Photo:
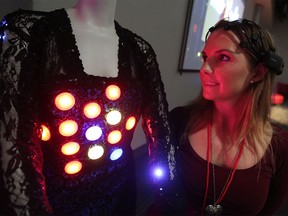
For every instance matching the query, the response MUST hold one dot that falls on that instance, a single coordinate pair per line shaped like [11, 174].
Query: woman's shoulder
[180, 115]
[180, 111]
[280, 135]
[279, 143]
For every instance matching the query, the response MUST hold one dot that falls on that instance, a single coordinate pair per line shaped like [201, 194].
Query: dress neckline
[203, 161]
[75, 50]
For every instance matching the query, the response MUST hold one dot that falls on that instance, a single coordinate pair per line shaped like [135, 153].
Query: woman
[232, 160]
[79, 77]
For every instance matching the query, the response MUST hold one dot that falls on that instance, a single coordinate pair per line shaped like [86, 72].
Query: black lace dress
[85, 166]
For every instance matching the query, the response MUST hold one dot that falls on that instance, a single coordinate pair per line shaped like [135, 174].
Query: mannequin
[93, 20]
[83, 53]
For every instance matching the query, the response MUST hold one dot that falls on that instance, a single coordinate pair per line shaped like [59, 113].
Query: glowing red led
[277, 98]
[73, 167]
[130, 123]
[92, 110]
[45, 135]
[113, 92]
[70, 148]
[64, 101]
[68, 128]
[114, 137]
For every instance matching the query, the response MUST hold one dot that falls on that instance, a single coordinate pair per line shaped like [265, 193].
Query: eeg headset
[253, 43]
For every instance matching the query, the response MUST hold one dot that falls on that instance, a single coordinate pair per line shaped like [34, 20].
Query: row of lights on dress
[64, 102]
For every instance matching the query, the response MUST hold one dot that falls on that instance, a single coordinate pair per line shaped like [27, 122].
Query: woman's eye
[223, 57]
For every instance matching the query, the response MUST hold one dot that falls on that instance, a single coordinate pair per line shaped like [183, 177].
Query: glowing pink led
[64, 101]
[45, 135]
[70, 148]
[68, 128]
[114, 137]
[92, 110]
[73, 167]
[112, 92]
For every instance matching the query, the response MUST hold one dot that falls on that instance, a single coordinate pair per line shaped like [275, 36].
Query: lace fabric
[39, 58]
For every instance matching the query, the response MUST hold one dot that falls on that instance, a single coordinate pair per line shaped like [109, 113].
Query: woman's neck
[95, 13]
[225, 117]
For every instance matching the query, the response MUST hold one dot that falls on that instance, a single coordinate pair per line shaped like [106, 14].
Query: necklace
[216, 209]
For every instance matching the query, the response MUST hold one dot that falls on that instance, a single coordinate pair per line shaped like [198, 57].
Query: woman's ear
[260, 72]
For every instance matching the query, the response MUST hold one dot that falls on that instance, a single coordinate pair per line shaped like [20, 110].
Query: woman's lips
[210, 83]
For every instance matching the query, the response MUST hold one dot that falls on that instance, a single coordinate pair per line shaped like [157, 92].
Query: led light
[73, 167]
[92, 110]
[130, 123]
[113, 92]
[64, 101]
[45, 135]
[158, 172]
[70, 148]
[114, 137]
[113, 117]
[68, 128]
[95, 152]
[3, 37]
[277, 98]
[116, 154]
[93, 133]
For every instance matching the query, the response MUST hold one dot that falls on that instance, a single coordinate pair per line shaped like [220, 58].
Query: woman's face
[226, 72]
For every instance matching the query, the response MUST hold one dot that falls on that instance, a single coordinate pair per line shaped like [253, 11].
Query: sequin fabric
[39, 60]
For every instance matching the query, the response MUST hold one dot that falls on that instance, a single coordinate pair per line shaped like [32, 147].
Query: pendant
[213, 210]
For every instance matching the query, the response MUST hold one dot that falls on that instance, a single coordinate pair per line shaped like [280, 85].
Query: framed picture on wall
[201, 15]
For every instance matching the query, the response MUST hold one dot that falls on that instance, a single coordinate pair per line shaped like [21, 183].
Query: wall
[161, 23]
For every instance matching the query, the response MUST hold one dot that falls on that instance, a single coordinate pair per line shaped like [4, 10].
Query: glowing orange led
[113, 92]
[130, 123]
[70, 148]
[46, 135]
[73, 167]
[68, 128]
[113, 117]
[92, 110]
[64, 101]
[114, 137]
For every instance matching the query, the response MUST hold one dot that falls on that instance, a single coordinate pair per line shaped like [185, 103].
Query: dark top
[252, 191]
[40, 60]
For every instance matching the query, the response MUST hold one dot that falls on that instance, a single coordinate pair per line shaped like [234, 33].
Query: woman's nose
[206, 68]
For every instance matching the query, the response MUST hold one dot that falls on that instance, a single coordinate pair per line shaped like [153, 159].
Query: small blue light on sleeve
[158, 172]
[4, 23]
[2, 36]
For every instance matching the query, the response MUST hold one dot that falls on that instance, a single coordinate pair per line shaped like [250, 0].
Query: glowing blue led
[116, 154]
[2, 36]
[158, 172]
[93, 133]
[4, 23]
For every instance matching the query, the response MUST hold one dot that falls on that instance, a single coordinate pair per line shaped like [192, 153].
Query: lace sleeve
[156, 124]
[21, 178]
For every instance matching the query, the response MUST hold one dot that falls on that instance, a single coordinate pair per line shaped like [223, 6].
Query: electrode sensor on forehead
[250, 36]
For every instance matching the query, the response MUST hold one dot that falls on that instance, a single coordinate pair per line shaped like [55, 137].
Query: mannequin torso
[92, 23]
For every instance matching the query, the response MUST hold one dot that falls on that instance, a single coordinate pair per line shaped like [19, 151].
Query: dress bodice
[41, 62]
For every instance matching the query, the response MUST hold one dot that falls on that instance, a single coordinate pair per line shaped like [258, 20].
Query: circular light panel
[64, 101]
